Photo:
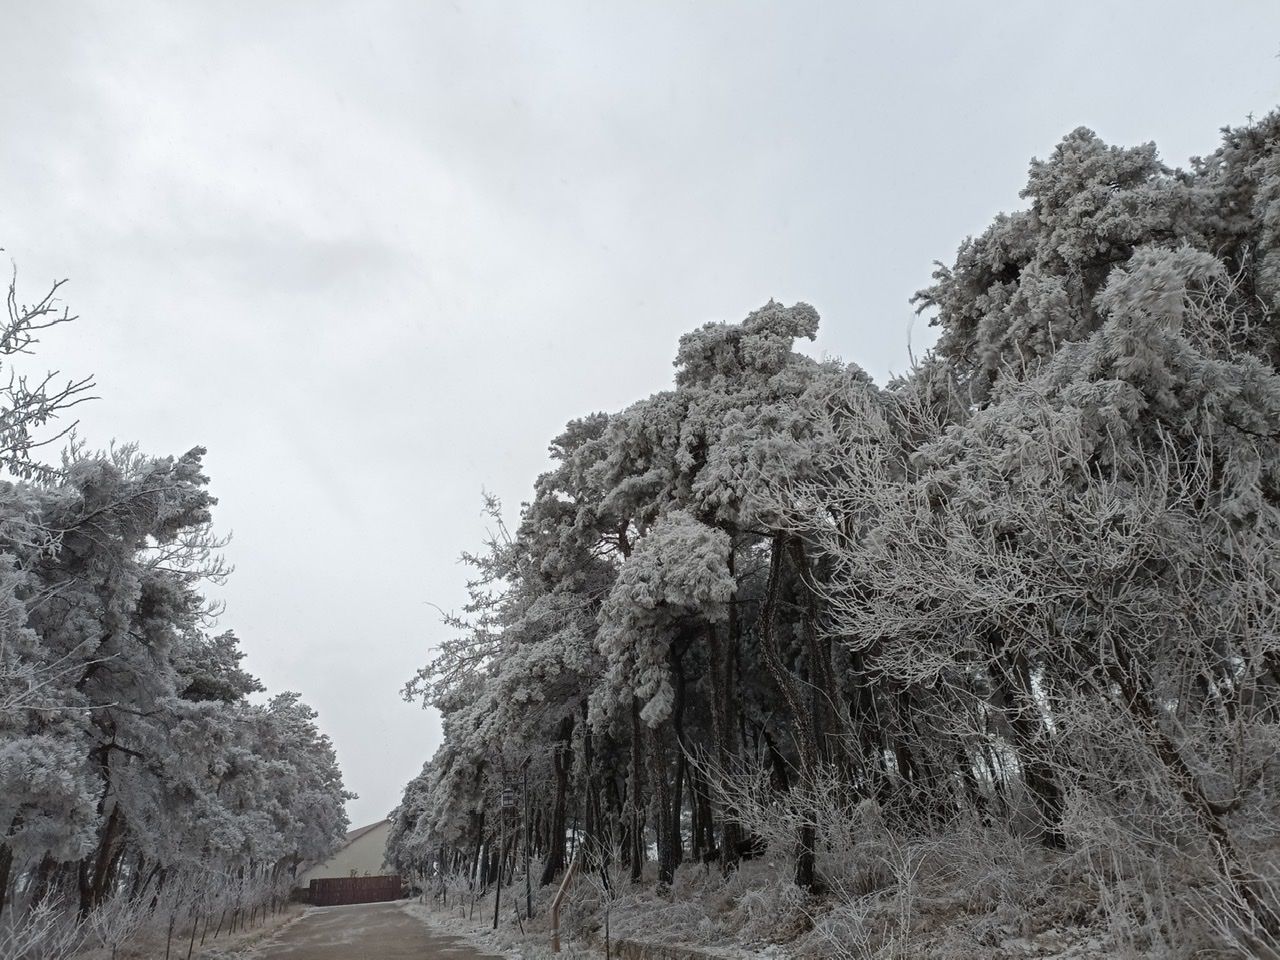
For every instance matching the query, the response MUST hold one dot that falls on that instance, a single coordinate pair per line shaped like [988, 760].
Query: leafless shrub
[118, 919]
[46, 930]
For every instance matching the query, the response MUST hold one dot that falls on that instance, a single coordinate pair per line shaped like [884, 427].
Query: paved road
[369, 931]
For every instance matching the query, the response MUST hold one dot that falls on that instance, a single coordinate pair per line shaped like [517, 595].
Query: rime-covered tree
[1029, 592]
[133, 755]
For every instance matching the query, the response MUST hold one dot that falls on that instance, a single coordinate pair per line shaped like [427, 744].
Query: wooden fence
[332, 891]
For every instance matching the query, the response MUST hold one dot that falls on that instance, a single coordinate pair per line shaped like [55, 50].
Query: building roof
[354, 835]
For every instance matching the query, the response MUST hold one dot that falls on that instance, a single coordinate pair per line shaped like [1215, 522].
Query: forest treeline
[1025, 595]
[141, 779]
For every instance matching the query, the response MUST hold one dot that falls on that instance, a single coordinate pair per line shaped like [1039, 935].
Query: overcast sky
[374, 255]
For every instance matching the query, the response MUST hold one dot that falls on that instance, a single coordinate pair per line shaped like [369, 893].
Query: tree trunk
[635, 794]
[724, 723]
[6, 869]
[832, 736]
[475, 861]
[563, 761]
[677, 792]
[806, 727]
[677, 813]
[662, 806]
[1030, 740]
[1134, 685]
[93, 872]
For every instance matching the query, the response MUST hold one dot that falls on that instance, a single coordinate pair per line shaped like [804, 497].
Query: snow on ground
[244, 944]
[748, 917]
[477, 931]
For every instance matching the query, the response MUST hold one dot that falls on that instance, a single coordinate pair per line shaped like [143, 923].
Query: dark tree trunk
[867, 719]
[705, 816]
[806, 857]
[682, 749]
[677, 813]
[696, 848]
[6, 868]
[143, 877]
[493, 864]
[474, 871]
[1030, 740]
[724, 724]
[45, 882]
[562, 761]
[92, 871]
[831, 735]
[779, 779]
[111, 880]
[806, 711]
[1135, 686]
[635, 793]
[590, 799]
[662, 803]
[928, 792]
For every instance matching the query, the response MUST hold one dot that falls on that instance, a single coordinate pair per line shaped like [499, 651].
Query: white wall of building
[362, 857]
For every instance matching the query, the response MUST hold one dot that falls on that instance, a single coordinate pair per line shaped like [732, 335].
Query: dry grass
[149, 944]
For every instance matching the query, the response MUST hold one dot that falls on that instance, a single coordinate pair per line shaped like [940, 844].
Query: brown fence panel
[332, 891]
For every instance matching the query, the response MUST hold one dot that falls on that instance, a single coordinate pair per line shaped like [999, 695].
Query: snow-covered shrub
[776, 913]
[46, 930]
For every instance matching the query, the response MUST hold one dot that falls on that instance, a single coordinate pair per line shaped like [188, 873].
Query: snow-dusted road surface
[370, 931]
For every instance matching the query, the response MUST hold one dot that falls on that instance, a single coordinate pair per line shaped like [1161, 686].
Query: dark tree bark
[1031, 741]
[635, 793]
[682, 749]
[592, 816]
[662, 806]
[474, 866]
[806, 729]
[6, 868]
[832, 736]
[562, 761]
[725, 723]
[1135, 687]
[94, 872]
